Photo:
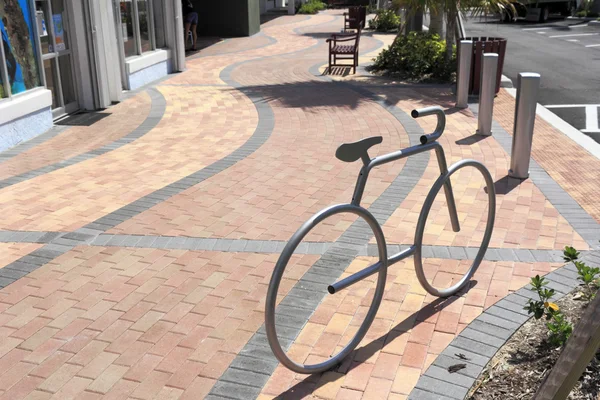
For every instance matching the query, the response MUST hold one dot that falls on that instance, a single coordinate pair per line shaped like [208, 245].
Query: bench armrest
[349, 39]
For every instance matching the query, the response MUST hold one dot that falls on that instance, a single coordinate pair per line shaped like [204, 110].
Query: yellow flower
[551, 305]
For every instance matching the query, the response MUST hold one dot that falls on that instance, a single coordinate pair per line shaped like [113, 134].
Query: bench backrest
[358, 16]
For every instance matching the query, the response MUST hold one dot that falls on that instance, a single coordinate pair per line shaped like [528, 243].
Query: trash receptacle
[483, 45]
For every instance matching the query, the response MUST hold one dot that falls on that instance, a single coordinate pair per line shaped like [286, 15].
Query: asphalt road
[567, 55]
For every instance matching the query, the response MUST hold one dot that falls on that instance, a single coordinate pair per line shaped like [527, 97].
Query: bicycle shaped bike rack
[350, 152]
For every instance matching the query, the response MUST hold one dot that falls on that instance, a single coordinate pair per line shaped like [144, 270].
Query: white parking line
[573, 40]
[591, 120]
[576, 34]
[535, 29]
[591, 115]
[542, 33]
[592, 45]
[571, 105]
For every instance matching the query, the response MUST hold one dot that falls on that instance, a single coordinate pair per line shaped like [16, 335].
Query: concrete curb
[506, 82]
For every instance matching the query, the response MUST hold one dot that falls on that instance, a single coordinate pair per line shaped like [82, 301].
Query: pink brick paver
[116, 321]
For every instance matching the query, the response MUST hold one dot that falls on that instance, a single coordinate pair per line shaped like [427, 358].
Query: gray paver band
[583, 223]
[157, 110]
[335, 259]
[485, 335]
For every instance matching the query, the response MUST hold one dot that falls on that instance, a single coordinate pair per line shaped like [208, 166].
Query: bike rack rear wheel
[423, 220]
[288, 251]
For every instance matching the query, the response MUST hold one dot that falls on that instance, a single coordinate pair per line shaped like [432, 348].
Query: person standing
[190, 18]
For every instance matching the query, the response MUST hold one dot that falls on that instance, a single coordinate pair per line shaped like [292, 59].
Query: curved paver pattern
[265, 196]
[524, 217]
[200, 126]
[142, 272]
[576, 170]
[121, 120]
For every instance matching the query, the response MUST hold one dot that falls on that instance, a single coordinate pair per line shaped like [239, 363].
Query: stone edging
[485, 335]
[157, 110]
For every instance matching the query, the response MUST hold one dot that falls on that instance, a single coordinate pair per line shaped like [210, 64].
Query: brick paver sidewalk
[136, 253]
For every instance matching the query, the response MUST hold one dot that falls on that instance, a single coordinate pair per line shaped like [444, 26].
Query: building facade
[61, 56]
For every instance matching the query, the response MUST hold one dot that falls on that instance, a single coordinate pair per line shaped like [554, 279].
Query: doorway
[52, 19]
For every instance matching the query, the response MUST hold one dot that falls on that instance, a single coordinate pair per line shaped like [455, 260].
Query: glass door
[53, 27]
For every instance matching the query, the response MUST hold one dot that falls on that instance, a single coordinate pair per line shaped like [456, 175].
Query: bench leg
[329, 63]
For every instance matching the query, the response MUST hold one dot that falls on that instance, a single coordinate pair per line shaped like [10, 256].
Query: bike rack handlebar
[441, 122]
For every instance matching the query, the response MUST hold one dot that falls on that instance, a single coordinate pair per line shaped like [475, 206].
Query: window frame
[136, 28]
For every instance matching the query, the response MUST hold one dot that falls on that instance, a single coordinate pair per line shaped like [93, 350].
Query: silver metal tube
[528, 85]
[439, 152]
[387, 158]
[352, 279]
[487, 93]
[422, 221]
[441, 122]
[401, 255]
[464, 74]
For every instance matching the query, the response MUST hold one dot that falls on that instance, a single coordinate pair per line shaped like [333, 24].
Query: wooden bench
[355, 18]
[348, 50]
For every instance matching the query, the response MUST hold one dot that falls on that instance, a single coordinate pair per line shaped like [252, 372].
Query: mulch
[521, 364]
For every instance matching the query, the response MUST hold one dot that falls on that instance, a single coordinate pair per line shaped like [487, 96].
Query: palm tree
[452, 8]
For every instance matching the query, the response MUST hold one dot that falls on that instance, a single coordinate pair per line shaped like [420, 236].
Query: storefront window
[42, 17]
[144, 19]
[18, 40]
[137, 28]
[127, 28]
[50, 72]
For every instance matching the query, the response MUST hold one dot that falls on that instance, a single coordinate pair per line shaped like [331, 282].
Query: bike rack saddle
[350, 152]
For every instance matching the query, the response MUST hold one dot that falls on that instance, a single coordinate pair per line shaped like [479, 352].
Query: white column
[528, 85]
[464, 74]
[487, 91]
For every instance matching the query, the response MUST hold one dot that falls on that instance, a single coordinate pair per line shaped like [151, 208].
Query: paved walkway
[136, 252]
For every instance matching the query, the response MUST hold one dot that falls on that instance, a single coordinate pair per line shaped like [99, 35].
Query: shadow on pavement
[506, 185]
[312, 383]
[469, 140]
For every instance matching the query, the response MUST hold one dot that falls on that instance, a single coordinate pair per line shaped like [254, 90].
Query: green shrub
[312, 7]
[559, 328]
[589, 276]
[385, 21]
[581, 14]
[418, 56]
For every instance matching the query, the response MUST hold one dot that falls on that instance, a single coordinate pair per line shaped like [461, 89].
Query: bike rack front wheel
[284, 258]
[423, 220]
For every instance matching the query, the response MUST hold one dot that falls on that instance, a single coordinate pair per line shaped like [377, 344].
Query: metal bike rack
[351, 152]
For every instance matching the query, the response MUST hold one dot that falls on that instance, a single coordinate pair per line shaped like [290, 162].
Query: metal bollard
[291, 6]
[464, 74]
[486, 93]
[528, 85]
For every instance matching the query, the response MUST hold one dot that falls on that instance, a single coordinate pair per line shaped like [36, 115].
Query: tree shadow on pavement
[312, 383]
[316, 93]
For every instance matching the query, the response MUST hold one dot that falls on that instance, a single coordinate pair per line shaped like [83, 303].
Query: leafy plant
[418, 56]
[589, 276]
[543, 306]
[385, 21]
[312, 7]
[559, 329]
